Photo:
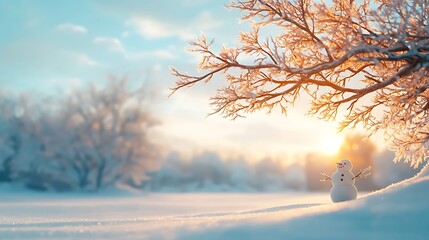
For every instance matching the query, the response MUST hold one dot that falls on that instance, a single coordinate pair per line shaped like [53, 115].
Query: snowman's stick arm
[326, 177]
[363, 173]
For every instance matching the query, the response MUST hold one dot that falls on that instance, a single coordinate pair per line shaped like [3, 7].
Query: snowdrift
[400, 211]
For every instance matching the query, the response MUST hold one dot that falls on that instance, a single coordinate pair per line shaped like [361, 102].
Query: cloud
[69, 27]
[83, 59]
[152, 28]
[113, 44]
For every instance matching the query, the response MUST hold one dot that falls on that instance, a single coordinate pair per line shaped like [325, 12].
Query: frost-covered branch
[364, 56]
[325, 178]
[363, 173]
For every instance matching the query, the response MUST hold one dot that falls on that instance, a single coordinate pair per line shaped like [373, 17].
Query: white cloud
[116, 45]
[153, 28]
[83, 59]
[69, 27]
[113, 44]
[205, 21]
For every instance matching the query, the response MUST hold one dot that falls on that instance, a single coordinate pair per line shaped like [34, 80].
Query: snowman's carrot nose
[339, 164]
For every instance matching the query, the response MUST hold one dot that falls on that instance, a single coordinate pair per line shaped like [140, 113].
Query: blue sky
[49, 46]
[46, 43]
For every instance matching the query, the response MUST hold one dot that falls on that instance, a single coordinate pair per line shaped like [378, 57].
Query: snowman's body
[343, 183]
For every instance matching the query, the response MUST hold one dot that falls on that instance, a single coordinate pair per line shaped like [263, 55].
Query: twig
[326, 177]
[363, 173]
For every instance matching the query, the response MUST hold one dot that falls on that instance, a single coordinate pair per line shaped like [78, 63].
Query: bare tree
[95, 136]
[107, 130]
[368, 59]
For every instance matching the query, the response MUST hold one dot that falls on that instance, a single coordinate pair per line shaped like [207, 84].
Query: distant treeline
[208, 172]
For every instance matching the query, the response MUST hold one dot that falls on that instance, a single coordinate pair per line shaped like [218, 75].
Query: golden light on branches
[338, 54]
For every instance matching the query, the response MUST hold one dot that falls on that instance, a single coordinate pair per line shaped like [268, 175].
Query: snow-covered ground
[399, 212]
[131, 216]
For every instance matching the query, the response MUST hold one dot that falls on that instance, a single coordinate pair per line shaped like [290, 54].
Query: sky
[50, 46]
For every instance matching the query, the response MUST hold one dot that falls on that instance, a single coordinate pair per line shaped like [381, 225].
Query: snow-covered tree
[366, 60]
[10, 137]
[91, 138]
[100, 134]
[21, 152]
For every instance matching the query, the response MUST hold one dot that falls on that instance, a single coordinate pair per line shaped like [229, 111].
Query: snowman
[343, 181]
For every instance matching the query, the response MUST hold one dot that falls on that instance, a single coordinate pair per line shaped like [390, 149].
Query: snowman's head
[344, 165]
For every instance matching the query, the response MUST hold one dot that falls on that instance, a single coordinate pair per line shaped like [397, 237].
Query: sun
[332, 144]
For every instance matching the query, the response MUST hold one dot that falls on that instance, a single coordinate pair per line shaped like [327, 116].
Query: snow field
[399, 212]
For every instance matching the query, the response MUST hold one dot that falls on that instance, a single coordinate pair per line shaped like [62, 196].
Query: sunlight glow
[332, 144]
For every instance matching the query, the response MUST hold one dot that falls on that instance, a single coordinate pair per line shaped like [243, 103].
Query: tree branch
[326, 177]
[363, 173]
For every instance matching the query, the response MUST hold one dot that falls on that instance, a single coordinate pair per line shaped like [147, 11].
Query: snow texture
[398, 212]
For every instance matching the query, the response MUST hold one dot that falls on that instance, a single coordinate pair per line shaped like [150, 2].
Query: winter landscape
[386, 214]
[242, 119]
